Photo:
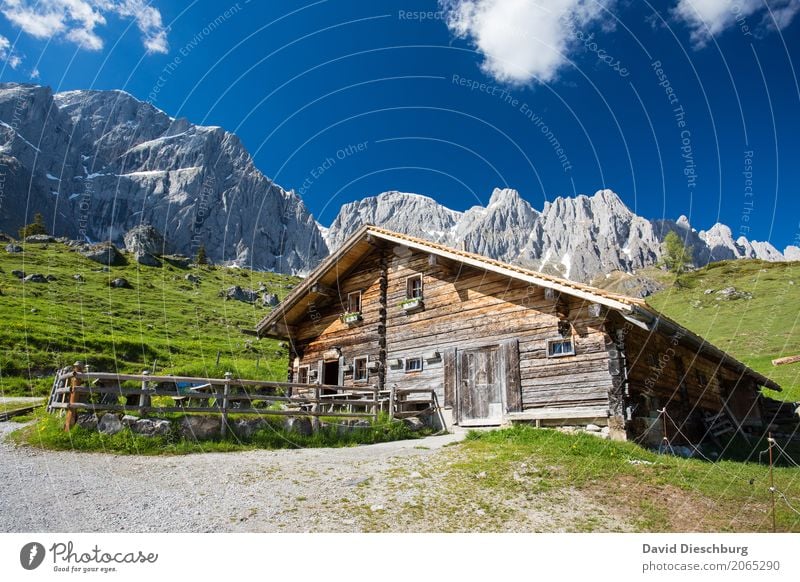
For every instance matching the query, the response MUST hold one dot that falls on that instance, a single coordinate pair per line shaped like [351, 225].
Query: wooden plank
[450, 377]
[786, 360]
[511, 375]
[554, 413]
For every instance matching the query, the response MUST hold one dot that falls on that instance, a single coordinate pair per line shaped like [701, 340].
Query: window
[302, 375]
[560, 347]
[354, 302]
[360, 372]
[413, 365]
[414, 287]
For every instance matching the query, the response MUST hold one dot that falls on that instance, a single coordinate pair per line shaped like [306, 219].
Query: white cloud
[77, 21]
[35, 74]
[8, 54]
[523, 40]
[707, 18]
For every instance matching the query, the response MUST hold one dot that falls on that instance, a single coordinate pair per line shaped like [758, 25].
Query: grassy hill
[163, 318]
[755, 330]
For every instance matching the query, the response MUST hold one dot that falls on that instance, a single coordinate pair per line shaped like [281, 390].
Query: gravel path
[367, 488]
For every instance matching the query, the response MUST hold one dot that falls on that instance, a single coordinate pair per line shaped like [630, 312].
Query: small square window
[302, 375]
[414, 287]
[560, 347]
[354, 302]
[360, 371]
[413, 364]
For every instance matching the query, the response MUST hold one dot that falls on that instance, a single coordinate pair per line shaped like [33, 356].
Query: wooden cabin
[498, 343]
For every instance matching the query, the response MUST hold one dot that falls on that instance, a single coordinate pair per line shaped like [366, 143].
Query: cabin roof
[339, 263]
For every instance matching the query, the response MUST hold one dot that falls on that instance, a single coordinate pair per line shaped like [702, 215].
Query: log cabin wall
[467, 308]
[321, 331]
[664, 371]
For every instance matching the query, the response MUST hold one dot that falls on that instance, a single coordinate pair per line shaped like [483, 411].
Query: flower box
[351, 318]
[412, 304]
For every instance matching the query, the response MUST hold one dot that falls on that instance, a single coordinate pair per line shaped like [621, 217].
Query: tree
[677, 256]
[201, 258]
[36, 227]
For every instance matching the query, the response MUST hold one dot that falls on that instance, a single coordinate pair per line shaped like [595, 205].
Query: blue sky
[680, 106]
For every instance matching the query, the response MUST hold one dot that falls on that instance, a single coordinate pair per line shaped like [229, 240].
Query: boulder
[150, 427]
[270, 299]
[200, 427]
[732, 294]
[35, 278]
[147, 260]
[129, 420]
[144, 240]
[120, 283]
[18, 274]
[109, 424]
[180, 261]
[12, 248]
[414, 423]
[87, 421]
[299, 425]
[193, 279]
[39, 239]
[104, 253]
[238, 294]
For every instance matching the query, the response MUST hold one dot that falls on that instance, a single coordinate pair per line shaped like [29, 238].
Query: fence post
[144, 399]
[391, 400]
[316, 408]
[223, 429]
[77, 368]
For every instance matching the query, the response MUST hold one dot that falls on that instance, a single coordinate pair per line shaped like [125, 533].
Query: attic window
[360, 372]
[414, 287]
[354, 302]
[413, 365]
[557, 348]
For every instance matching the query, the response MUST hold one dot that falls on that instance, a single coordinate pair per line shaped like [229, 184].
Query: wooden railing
[72, 391]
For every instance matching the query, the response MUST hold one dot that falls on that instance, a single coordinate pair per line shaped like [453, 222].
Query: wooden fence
[75, 390]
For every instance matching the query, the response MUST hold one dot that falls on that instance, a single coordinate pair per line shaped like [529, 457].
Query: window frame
[411, 278]
[300, 370]
[365, 359]
[349, 303]
[408, 370]
[560, 340]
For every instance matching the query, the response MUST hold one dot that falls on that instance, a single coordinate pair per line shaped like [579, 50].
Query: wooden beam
[786, 360]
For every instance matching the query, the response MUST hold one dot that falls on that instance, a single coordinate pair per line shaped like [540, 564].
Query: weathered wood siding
[664, 371]
[467, 308]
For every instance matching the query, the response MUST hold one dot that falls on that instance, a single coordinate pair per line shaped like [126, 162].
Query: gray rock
[147, 260]
[708, 292]
[732, 294]
[104, 253]
[244, 428]
[87, 421]
[270, 299]
[18, 274]
[592, 428]
[300, 425]
[120, 283]
[144, 239]
[78, 277]
[150, 427]
[13, 248]
[109, 424]
[414, 423]
[51, 278]
[179, 261]
[194, 279]
[35, 278]
[39, 239]
[200, 427]
[129, 420]
[238, 294]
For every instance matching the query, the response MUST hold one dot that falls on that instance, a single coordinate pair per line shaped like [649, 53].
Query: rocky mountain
[98, 163]
[578, 238]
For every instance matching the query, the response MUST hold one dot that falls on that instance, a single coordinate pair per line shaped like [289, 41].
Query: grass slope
[753, 330]
[163, 317]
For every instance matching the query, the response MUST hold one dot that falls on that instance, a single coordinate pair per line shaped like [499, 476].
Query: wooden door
[481, 387]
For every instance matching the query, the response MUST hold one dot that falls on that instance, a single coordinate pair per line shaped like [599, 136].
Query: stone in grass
[18, 274]
[198, 428]
[120, 283]
[35, 278]
[414, 423]
[12, 248]
[104, 253]
[245, 428]
[109, 424]
[150, 427]
[592, 428]
[194, 279]
[87, 421]
[300, 425]
[129, 420]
